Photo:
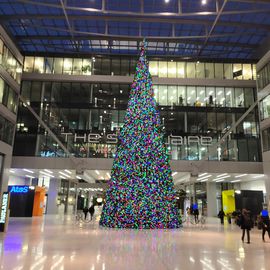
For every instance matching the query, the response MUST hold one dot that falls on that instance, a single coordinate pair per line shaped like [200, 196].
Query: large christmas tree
[141, 191]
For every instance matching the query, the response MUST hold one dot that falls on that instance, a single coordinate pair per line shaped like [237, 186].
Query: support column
[211, 195]
[52, 208]
[67, 196]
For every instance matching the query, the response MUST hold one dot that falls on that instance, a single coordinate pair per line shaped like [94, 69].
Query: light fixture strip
[67, 171]
[64, 174]
[48, 171]
[221, 175]
[47, 174]
[201, 178]
[240, 175]
[26, 170]
[202, 174]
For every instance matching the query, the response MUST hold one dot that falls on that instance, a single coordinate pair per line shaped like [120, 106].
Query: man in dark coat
[246, 224]
[92, 211]
[221, 216]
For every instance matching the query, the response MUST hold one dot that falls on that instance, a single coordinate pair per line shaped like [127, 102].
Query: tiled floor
[58, 243]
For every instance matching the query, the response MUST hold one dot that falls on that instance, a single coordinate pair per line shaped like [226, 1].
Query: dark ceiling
[191, 29]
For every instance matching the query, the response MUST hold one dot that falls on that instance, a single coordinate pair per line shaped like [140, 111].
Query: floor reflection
[58, 243]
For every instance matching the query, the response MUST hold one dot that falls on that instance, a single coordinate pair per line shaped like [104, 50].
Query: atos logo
[19, 189]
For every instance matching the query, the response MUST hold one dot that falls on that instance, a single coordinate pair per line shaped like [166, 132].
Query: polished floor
[59, 243]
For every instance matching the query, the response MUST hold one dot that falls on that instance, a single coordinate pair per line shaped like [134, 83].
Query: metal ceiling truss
[179, 12]
[199, 37]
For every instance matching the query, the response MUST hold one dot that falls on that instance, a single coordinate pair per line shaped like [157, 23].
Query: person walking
[92, 211]
[221, 216]
[246, 224]
[265, 223]
[85, 211]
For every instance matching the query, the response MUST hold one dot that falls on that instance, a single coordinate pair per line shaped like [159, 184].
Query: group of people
[245, 221]
[91, 211]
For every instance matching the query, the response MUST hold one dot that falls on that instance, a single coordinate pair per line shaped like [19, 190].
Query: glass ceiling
[189, 29]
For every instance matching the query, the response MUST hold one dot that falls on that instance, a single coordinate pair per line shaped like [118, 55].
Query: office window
[209, 70]
[163, 95]
[220, 101]
[219, 72]
[200, 70]
[247, 72]
[228, 71]
[182, 96]
[49, 65]
[77, 66]
[2, 88]
[239, 97]
[67, 66]
[172, 69]
[162, 69]
[153, 68]
[210, 96]
[87, 67]
[191, 70]
[172, 95]
[191, 96]
[201, 99]
[39, 65]
[29, 64]
[181, 69]
[58, 65]
[237, 71]
[229, 93]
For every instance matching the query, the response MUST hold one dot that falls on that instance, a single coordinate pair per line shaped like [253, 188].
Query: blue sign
[264, 213]
[19, 189]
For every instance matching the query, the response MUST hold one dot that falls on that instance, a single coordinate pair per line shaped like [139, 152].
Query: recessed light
[78, 177]
[29, 176]
[48, 171]
[258, 176]
[175, 173]
[26, 170]
[97, 172]
[64, 174]
[240, 175]
[220, 175]
[202, 174]
[69, 172]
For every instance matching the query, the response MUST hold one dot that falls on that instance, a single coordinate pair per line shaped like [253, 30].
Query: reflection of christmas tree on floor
[141, 192]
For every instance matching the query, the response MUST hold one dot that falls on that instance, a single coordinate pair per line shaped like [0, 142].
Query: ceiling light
[202, 174]
[175, 173]
[29, 176]
[12, 171]
[220, 175]
[221, 180]
[223, 177]
[48, 171]
[108, 175]
[235, 181]
[26, 170]
[97, 172]
[240, 175]
[204, 2]
[78, 177]
[69, 172]
[47, 174]
[206, 176]
[66, 175]
[258, 176]
[237, 191]
[204, 180]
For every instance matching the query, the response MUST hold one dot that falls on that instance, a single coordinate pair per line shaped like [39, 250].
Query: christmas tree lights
[141, 192]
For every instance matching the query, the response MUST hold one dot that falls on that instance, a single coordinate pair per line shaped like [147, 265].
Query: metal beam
[165, 14]
[213, 27]
[160, 39]
[125, 37]
[141, 18]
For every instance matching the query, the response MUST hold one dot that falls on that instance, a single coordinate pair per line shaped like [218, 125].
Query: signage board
[18, 189]
[4, 212]
[113, 139]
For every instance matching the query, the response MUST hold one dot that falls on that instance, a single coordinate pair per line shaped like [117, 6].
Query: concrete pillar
[211, 194]
[67, 196]
[52, 208]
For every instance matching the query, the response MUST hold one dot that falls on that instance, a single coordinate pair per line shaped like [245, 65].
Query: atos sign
[18, 189]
